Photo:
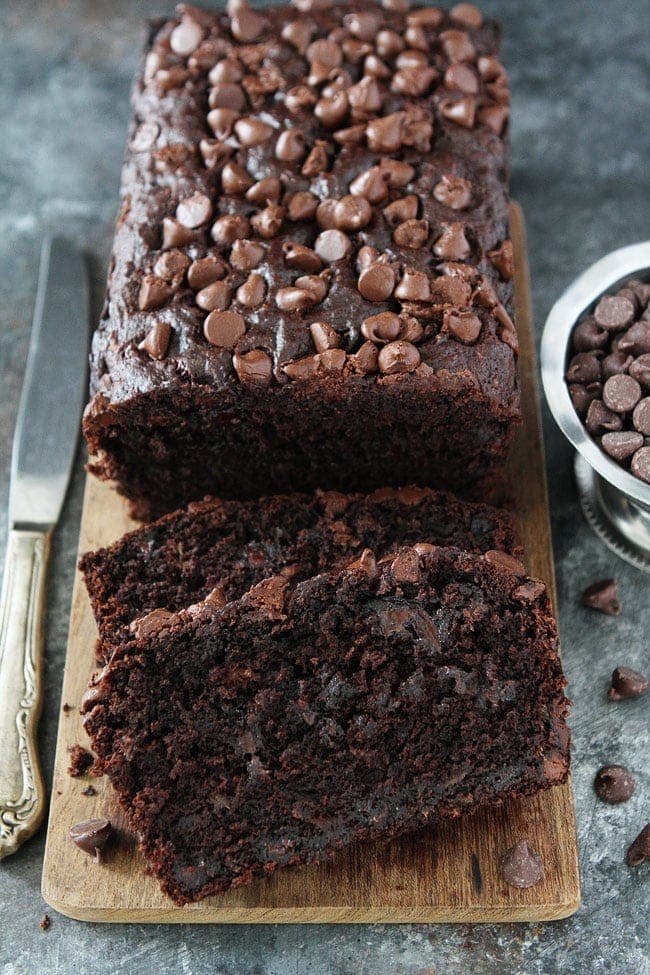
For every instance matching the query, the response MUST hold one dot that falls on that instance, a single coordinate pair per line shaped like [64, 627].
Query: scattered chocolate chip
[154, 292]
[603, 596]
[332, 245]
[267, 190]
[453, 192]
[494, 116]
[411, 234]
[613, 313]
[246, 254]
[452, 245]
[246, 25]
[621, 445]
[205, 270]
[229, 228]
[254, 367]
[156, 341]
[235, 179]
[221, 121]
[384, 327]
[268, 222]
[627, 684]
[640, 465]
[398, 357]
[414, 286]
[462, 111]
[376, 283]
[639, 850]
[385, 134]
[503, 258]
[194, 210]
[324, 336]
[614, 784]
[251, 293]
[621, 393]
[301, 257]
[214, 297]
[521, 866]
[92, 836]
[465, 326]
[290, 146]
[252, 132]
[227, 95]
[224, 328]
[45, 923]
[504, 561]
[467, 15]
[294, 299]
[90, 790]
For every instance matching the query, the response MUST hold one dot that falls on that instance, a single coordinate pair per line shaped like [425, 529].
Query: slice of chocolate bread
[233, 545]
[358, 704]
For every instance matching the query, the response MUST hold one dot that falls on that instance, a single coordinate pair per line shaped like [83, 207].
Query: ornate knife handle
[22, 794]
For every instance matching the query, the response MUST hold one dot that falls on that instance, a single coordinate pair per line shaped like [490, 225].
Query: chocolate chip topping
[621, 393]
[156, 341]
[639, 850]
[454, 192]
[521, 866]
[627, 684]
[224, 328]
[614, 784]
[603, 596]
[194, 210]
[376, 282]
[465, 326]
[92, 836]
[614, 313]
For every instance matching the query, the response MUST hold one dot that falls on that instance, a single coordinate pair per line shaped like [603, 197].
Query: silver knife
[44, 447]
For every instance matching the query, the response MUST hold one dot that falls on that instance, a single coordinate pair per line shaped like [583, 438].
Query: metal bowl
[616, 504]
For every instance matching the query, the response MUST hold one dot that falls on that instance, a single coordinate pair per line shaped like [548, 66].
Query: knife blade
[45, 441]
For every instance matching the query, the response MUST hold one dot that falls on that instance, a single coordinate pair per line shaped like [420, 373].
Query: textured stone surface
[580, 151]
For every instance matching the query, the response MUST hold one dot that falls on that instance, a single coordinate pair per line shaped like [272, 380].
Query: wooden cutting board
[444, 874]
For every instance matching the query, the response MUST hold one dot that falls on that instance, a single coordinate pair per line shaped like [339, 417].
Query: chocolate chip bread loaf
[232, 545]
[311, 281]
[280, 728]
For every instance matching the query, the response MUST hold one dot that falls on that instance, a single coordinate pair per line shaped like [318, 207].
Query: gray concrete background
[580, 166]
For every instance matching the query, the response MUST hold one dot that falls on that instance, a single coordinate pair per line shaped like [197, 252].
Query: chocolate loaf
[282, 727]
[311, 280]
[233, 545]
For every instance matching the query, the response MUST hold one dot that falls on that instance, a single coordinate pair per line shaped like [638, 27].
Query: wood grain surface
[445, 874]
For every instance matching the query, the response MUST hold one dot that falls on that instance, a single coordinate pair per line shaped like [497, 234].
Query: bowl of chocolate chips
[596, 375]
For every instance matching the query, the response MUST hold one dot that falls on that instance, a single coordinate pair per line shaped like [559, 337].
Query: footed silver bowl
[615, 503]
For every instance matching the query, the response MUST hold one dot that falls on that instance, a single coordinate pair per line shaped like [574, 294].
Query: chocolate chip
[467, 14]
[371, 184]
[640, 370]
[252, 132]
[457, 45]
[221, 121]
[639, 850]
[583, 368]
[613, 313]
[246, 254]
[462, 111]
[316, 162]
[640, 465]
[503, 258]
[266, 190]
[332, 111]
[92, 836]
[153, 293]
[290, 146]
[614, 784]
[224, 328]
[388, 43]
[366, 256]
[251, 293]
[452, 245]
[460, 77]
[641, 416]
[376, 283]
[294, 299]
[298, 33]
[205, 270]
[399, 172]
[621, 393]
[405, 208]
[601, 420]
[465, 326]
[588, 336]
[235, 179]
[194, 210]
[352, 213]
[366, 359]
[582, 396]
[156, 341]
[186, 37]
[365, 99]
[384, 327]
[299, 98]
[414, 286]
[332, 245]
[247, 25]
[615, 364]
[229, 228]
[255, 367]
[214, 297]
[411, 234]
[324, 336]
[453, 192]
[603, 596]
[636, 340]
[171, 266]
[375, 67]
[316, 284]
[506, 562]
[521, 866]
[227, 95]
[621, 445]
[226, 70]
[494, 116]
[398, 357]
[627, 684]
[385, 134]
[301, 257]
[268, 222]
